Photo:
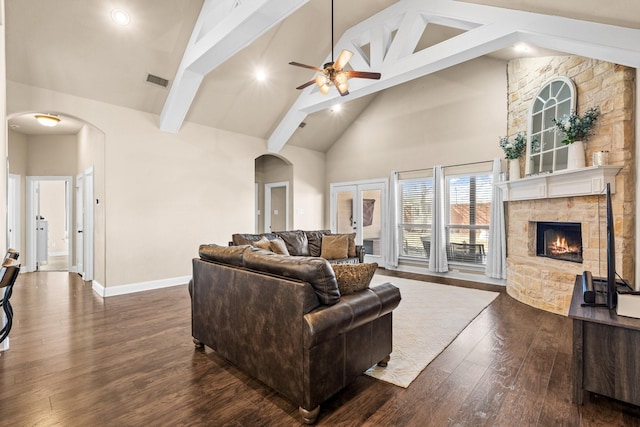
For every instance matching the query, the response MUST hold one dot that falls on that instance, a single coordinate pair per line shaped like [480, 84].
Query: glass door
[361, 208]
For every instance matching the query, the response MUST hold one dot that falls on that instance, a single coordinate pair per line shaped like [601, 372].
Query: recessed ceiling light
[261, 75]
[120, 16]
[336, 108]
[521, 47]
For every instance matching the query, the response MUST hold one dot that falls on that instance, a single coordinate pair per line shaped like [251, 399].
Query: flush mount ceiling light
[47, 120]
[120, 16]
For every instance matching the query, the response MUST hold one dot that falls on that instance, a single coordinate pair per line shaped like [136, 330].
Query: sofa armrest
[352, 311]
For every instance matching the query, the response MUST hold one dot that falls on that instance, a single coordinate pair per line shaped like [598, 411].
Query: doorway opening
[361, 208]
[273, 178]
[48, 223]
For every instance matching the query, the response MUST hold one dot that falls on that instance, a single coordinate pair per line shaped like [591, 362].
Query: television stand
[605, 351]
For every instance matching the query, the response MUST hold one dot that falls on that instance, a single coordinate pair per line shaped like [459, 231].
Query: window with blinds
[415, 217]
[468, 208]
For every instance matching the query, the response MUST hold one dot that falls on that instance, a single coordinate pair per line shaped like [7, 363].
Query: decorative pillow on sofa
[296, 241]
[353, 277]
[335, 246]
[278, 246]
[263, 243]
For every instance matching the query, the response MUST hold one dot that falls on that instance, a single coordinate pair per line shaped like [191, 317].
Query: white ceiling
[73, 46]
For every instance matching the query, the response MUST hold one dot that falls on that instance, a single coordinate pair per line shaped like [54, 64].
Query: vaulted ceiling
[73, 46]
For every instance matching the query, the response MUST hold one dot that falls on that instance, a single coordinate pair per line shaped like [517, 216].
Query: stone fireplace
[571, 196]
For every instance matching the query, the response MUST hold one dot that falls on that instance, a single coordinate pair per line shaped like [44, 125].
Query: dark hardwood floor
[78, 360]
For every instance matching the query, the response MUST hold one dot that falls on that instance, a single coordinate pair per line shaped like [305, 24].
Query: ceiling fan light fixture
[47, 120]
[341, 77]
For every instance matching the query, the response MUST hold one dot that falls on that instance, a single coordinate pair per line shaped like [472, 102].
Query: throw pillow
[353, 277]
[278, 246]
[263, 243]
[335, 246]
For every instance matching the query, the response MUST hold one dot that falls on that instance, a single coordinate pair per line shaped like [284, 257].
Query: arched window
[545, 151]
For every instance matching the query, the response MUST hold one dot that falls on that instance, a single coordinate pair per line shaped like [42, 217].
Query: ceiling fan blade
[311, 67]
[342, 60]
[309, 83]
[363, 75]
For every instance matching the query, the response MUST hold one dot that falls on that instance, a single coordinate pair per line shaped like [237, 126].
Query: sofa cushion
[249, 239]
[296, 241]
[353, 277]
[225, 254]
[335, 246]
[278, 246]
[263, 243]
[315, 241]
[315, 271]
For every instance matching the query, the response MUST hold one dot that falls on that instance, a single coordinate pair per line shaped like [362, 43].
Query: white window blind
[468, 212]
[415, 217]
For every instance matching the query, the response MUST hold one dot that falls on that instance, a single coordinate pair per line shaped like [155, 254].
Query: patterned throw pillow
[278, 246]
[335, 246]
[263, 243]
[353, 277]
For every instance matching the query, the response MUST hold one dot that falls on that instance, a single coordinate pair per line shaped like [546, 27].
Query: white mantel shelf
[567, 183]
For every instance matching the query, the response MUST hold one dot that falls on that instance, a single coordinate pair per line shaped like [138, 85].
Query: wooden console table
[606, 351]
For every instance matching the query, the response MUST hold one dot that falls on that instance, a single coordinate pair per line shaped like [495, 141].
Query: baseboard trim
[111, 291]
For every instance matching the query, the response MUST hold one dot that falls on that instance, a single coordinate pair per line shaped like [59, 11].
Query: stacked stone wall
[546, 283]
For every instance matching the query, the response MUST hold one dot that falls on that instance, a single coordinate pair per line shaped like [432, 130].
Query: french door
[361, 208]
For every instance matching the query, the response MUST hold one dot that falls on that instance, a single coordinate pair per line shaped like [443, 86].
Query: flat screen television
[606, 286]
[612, 296]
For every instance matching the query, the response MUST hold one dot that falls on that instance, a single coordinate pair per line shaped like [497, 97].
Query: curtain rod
[450, 166]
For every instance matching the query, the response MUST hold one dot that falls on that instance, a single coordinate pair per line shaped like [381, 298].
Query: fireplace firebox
[559, 240]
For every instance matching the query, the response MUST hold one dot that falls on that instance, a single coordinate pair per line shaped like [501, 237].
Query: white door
[79, 228]
[361, 208]
[87, 228]
[13, 212]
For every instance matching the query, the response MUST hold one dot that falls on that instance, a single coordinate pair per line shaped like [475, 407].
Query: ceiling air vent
[157, 80]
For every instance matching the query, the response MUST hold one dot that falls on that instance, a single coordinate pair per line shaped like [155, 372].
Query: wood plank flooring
[78, 360]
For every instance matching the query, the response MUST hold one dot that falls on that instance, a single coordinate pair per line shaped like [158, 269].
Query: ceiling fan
[332, 72]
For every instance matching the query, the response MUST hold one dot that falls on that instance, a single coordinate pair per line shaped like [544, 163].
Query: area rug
[427, 320]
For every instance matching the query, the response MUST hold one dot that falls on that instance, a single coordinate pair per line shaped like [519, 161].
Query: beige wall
[53, 209]
[450, 117]
[165, 193]
[51, 155]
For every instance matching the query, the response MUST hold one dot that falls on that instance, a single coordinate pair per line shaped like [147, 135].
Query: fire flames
[560, 246]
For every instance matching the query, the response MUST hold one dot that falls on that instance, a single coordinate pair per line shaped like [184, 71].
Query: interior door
[79, 225]
[276, 206]
[360, 208]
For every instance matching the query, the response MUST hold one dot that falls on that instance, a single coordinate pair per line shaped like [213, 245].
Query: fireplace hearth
[559, 240]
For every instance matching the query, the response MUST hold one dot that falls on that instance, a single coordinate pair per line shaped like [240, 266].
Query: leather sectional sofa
[282, 320]
[300, 243]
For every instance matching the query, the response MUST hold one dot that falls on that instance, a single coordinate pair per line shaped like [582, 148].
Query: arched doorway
[274, 193]
[70, 154]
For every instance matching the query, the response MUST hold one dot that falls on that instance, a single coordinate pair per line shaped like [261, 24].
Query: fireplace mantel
[567, 183]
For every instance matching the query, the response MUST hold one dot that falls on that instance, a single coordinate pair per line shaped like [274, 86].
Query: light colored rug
[427, 320]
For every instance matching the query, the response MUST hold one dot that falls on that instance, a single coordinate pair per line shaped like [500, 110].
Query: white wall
[165, 194]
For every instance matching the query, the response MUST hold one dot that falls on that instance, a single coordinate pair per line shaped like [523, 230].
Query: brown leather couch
[299, 243]
[282, 320]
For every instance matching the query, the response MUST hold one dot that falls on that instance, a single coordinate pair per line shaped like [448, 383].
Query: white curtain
[497, 256]
[438, 258]
[391, 260]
